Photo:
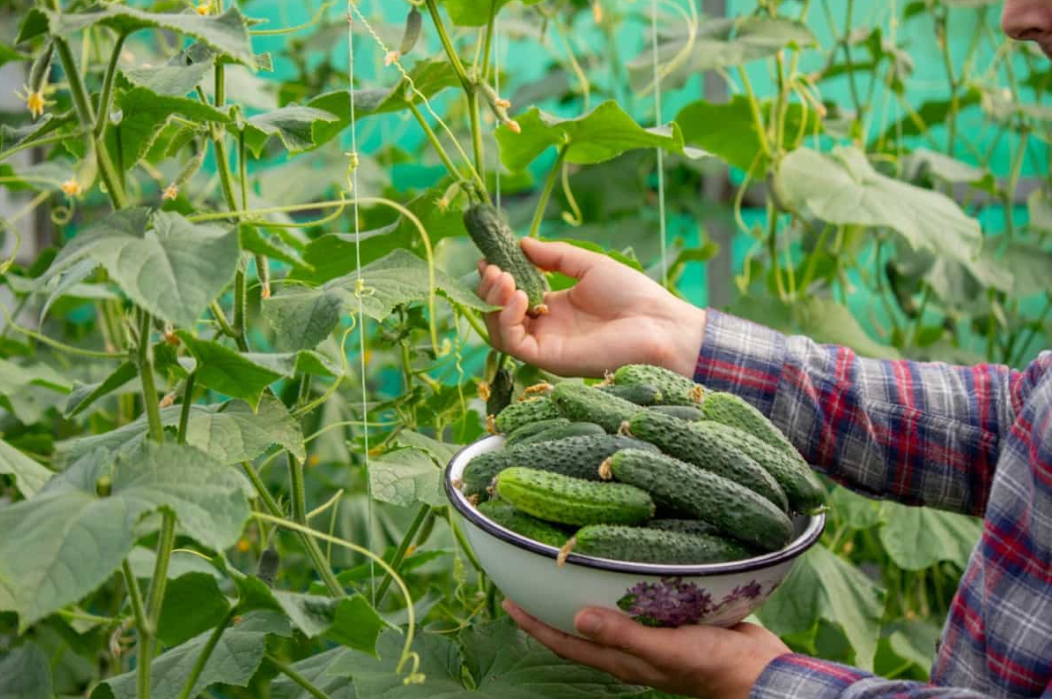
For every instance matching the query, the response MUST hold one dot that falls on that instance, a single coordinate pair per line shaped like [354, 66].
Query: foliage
[261, 300]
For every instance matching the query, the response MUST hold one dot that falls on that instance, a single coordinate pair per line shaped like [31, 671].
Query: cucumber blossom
[676, 389]
[554, 497]
[512, 519]
[525, 412]
[532, 428]
[647, 545]
[570, 429]
[499, 246]
[694, 443]
[640, 394]
[737, 512]
[579, 402]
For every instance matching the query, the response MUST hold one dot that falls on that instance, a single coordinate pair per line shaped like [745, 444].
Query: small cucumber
[525, 412]
[684, 412]
[532, 428]
[499, 246]
[639, 394]
[737, 512]
[647, 545]
[509, 517]
[500, 388]
[582, 403]
[676, 389]
[570, 429]
[557, 498]
[707, 449]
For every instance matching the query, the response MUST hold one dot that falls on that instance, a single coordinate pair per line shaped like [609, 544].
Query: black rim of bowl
[793, 550]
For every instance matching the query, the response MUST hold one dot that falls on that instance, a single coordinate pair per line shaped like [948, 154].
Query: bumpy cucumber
[684, 412]
[646, 545]
[500, 391]
[509, 517]
[693, 443]
[640, 394]
[575, 456]
[729, 409]
[582, 403]
[571, 429]
[737, 512]
[685, 526]
[499, 246]
[525, 412]
[676, 389]
[557, 498]
[532, 428]
[803, 489]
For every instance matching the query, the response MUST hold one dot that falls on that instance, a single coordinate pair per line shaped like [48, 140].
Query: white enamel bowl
[719, 594]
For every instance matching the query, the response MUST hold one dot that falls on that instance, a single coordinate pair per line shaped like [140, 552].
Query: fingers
[561, 257]
[656, 646]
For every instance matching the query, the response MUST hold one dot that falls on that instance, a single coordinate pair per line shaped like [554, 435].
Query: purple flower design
[750, 591]
[669, 602]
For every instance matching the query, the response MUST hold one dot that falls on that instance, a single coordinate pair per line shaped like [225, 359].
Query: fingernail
[588, 623]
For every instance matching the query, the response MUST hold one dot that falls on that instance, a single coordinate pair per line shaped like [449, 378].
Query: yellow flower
[72, 188]
[513, 126]
[243, 546]
[35, 101]
[391, 57]
[204, 7]
[170, 192]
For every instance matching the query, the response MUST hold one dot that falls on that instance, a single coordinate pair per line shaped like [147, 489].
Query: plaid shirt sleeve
[920, 433]
[793, 675]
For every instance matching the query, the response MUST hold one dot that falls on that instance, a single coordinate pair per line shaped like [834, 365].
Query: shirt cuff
[793, 676]
[741, 357]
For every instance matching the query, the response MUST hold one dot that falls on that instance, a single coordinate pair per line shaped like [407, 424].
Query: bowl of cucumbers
[646, 493]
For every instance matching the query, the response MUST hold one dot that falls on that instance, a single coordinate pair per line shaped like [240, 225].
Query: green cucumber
[639, 394]
[694, 443]
[582, 403]
[575, 456]
[532, 428]
[729, 409]
[685, 526]
[676, 389]
[570, 429]
[737, 512]
[646, 545]
[500, 388]
[554, 497]
[525, 412]
[512, 519]
[684, 412]
[804, 491]
[499, 246]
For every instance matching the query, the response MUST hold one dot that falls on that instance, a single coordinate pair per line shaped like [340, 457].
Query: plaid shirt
[969, 439]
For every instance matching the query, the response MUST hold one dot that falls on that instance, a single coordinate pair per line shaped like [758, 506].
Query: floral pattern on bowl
[674, 602]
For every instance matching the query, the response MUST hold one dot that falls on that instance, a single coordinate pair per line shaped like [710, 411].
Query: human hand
[614, 315]
[694, 661]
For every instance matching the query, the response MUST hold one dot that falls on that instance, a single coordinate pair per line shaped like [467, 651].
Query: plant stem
[771, 214]
[56, 138]
[296, 489]
[221, 318]
[755, 111]
[488, 38]
[434, 140]
[239, 310]
[400, 553]
[547, 190]
[941, 27]
[296, 677]
[203, 657]
[143, 630]
[146, 376]
[184, 413]
[477, 134]
[165, 542]
[106, 96]
[448, 47]
[463, 542]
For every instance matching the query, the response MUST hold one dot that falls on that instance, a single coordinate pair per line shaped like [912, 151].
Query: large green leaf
[29, 476]
[171, 79]
[66, 540]
[293, 125]
[232, 432]
[474, 13]
[604, 133]
[316, 670]
[350, 621]
[405, 477]
[8, 54]
[25, 673]
[226, 33]
[166, 264]
[83, 395]
[193, 604]
[302, 318]
[234, 660]
[823, 586]
[28, 390]
[919, 537]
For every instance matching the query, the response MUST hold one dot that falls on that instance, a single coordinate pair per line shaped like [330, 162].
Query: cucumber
[509, 517]
[639, 394]
[696, 444]
[684, 412]
[582, 403]
[647, 545]
[676, 389]
[500, 391]
[737, 512]
[685, 526]
[532, 428]
[525, 412]
[554, 497]
[575, 456]
[499, 246]
[571, 429]
[729, 409]
[804, 491]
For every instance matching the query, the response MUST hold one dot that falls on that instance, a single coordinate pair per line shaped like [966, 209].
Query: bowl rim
[795, 548]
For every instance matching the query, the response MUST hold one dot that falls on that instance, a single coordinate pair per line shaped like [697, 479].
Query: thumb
[616, 630]
[560, 257]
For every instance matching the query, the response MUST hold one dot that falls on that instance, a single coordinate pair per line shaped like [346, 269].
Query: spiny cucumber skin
[582, 403]
[804, 492]
[509, 517]
[564, 500]
[693, 443]
[532, 428]
[685, 526]
[689, 413]
[638, 394]
[499, 246]
[676, 389]
[729, 409]
[736, 512]
[571, 429]
[647, 545]
[500, 391]
[575, 456]
[525, 412]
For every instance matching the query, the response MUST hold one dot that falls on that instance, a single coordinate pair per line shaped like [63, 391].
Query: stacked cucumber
[646, 467]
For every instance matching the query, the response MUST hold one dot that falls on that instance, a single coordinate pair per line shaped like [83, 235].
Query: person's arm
[922, 433]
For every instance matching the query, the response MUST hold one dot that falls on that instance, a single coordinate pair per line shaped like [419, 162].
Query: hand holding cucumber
[611, 317]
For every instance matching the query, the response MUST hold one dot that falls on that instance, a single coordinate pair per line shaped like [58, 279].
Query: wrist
[678, 344]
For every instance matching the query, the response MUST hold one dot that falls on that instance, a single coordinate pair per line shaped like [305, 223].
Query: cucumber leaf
[29, 476]
[25, 673]
[919, 537]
